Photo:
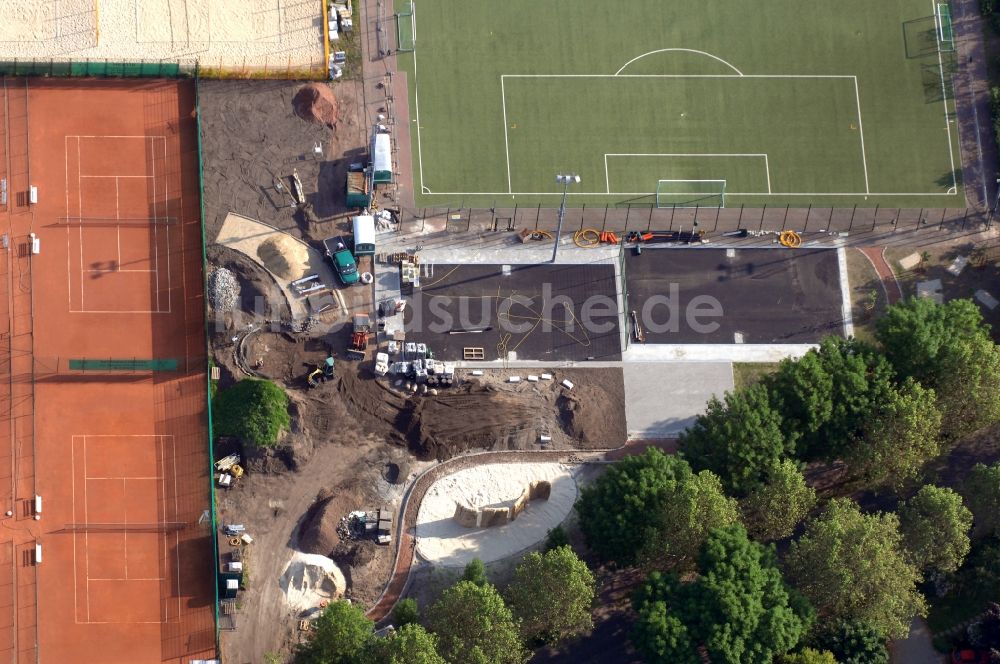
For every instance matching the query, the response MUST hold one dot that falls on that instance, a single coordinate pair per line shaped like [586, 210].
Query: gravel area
[223, 289]
[231, 34]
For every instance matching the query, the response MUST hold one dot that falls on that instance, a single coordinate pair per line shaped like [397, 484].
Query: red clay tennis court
[115, 389]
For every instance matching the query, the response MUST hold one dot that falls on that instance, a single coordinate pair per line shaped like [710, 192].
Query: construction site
[449, 378]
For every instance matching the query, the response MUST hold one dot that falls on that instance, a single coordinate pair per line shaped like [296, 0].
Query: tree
[621, 510]
[696, 506]
[827, 395]
[338, 636]
[808, 656]
[411, 644]
[551, 595]
[474, 626]
[405, 612]
[986, 630]
[935, 526]
[772, 510]
[556, 538]
[948, 348]
[902, 436]
[855, 643]
[739, 440]
[981, 491]
[253, 410]
[475, 572]
[852, 566]
[738, 608]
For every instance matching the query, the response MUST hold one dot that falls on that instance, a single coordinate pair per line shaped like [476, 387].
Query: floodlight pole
[565, 181]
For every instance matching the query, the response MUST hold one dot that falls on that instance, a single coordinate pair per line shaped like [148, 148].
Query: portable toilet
[381, 159]
[364, 235]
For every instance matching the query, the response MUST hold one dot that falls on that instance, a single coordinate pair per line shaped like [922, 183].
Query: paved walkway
[917, 648]
[664, 398]
[876, 256]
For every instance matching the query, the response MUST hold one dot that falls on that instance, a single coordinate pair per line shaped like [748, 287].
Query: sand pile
[315, 102]
[309, 579]
[441, 539]
[318, 533]
[284, 256]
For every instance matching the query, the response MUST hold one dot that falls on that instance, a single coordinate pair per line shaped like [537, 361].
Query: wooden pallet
[473, 353]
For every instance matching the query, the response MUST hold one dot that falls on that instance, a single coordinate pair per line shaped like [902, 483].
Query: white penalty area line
[739, 75]
[767, 166]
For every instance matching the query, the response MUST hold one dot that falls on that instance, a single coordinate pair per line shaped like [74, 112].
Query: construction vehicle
[322, 373]
[358, 349]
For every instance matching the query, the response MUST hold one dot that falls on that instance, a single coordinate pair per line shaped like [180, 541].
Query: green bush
[406, 612]
[253, 410]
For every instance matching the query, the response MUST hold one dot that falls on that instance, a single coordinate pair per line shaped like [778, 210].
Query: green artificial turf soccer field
[787, 102]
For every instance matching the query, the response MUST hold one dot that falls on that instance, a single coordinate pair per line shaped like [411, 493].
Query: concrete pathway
[663, 399]
[876, 256]
[917, 647]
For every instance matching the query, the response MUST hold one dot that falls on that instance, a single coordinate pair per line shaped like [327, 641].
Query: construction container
[381, 153]
[358, 195]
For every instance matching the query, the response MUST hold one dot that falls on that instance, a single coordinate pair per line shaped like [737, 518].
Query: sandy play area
[442, 540]
[227, 33]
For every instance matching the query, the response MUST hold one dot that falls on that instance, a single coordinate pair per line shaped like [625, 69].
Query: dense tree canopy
[405, 612]
[828, 394]
[740, 439]
[809, 656]
[623, 512]
[474, 626]
[551, 595]
[253, 410]
[852, 566]
[339, 635]
[475, 572]
[900, 438]
[772, 510]
[946, 347]
[855, 643]
[411, 644]
[696, 506]
[981, 490]
[738, 608]
[935, 526]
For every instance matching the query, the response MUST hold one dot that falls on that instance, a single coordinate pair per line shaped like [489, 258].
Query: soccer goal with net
[945, 31]
[690, 193]
[406, 30]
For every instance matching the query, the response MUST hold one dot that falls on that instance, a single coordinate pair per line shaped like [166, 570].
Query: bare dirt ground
[486, 412]
[251, 137]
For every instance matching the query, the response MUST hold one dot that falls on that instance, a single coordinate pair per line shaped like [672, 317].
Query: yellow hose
[790, 239]
[587, 238]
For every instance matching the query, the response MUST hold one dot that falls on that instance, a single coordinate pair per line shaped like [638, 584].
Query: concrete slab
[530, 312]
[986, 299]
[664, 398]
[931, 289]
[707, 296]
[714, 352]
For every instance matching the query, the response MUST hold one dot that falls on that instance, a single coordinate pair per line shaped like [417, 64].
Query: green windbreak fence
[208, 354]
[125, 364]
[96, 68]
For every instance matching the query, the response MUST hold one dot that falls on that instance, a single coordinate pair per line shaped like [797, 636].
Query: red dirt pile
[315, 103]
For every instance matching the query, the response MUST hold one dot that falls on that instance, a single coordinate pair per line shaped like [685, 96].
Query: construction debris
[223, 290]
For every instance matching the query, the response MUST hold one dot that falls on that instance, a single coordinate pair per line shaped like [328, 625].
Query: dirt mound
[284, 256]
[354, 554]
[316, 103]
[318, 533]
[310, 580]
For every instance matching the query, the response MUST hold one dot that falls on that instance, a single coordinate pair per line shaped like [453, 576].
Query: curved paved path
[876, 256]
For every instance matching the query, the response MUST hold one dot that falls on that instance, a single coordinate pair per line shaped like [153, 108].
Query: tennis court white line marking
[861, 131]
[69, 270]
[177, 535]
[83, 175]
[687, 50]
[506, 143]
[132, 578]
[119, 477]
[86, 520]
[72, 470]
[79, 209]
[767, 167]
